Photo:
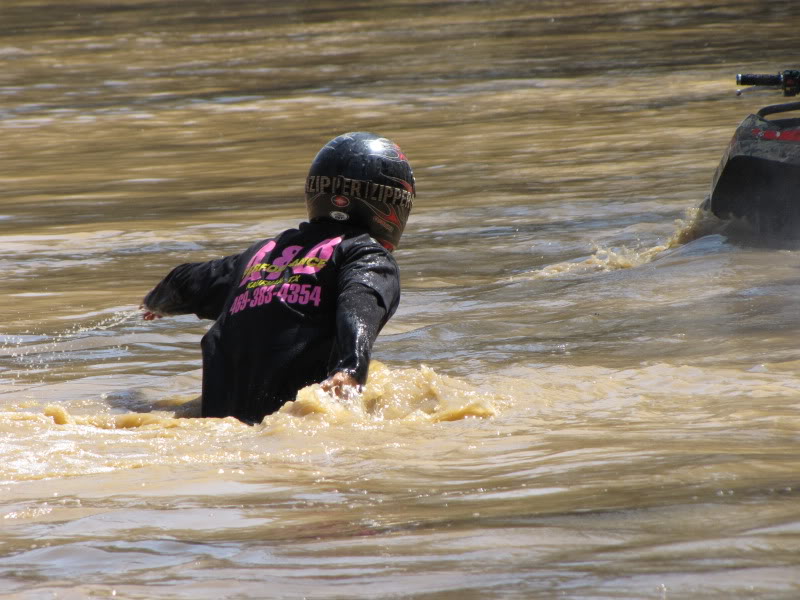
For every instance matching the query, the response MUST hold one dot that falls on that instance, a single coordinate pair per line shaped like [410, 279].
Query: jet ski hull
[758, 178]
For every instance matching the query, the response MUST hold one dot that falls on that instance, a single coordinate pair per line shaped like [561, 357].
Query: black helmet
[364, 179]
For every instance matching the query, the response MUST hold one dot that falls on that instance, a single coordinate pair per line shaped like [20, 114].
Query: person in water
[307, 305]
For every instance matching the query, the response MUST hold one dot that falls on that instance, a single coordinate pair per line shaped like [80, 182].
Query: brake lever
[754, 89]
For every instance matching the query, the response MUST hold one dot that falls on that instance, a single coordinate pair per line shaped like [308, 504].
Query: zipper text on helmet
[357, 188]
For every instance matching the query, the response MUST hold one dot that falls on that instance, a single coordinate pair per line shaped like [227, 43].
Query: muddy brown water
[590, 390]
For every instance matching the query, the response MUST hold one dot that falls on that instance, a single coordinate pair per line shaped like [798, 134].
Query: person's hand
[149, 315]
[340, 384]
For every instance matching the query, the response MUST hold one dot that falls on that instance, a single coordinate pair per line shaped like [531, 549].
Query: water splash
[32, 354]
[16, 345]
[697, 223]
[411, 395]
[418, 394]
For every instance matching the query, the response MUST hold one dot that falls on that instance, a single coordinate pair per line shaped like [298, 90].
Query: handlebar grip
[758, 79]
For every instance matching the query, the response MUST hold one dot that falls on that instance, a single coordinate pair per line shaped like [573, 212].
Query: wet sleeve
[199, 288]
[369, 292]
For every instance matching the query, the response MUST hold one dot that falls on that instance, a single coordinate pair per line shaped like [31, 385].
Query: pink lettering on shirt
[251, 274]
[323, 251]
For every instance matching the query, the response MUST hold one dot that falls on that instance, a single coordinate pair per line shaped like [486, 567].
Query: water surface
[590, 389]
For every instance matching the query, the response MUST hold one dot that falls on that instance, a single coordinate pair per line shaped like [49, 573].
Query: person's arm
[199, 288]
[369, 286]
[360, 315]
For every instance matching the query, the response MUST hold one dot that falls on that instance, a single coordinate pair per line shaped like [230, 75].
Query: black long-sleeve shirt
[289, 312]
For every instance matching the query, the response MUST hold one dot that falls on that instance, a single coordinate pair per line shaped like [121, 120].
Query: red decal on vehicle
[788, 135]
